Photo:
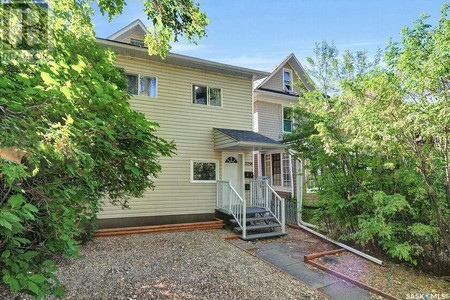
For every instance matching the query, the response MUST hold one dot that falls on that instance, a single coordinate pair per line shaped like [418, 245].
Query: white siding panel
[269, 119]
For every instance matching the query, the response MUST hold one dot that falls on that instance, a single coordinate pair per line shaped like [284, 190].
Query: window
[231, 160]
[147, 86]
[137, 42]
[286, 172]
[200, 94]
[287, 80]
[132, 83]
[206, 95]
[277, 169]
[203, 170]
[287, 119]
[141, 85]
[215, 97]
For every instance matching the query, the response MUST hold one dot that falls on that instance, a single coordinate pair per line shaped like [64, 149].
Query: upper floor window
[137, 42]
[206, 95]
[287, 118]
[287, 80]
[141, 85]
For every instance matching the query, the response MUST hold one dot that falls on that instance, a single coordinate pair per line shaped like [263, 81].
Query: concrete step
[256, 227]
[263, 235]
[255, 219]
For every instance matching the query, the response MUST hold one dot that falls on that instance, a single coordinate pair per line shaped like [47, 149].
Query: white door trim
[242, 154]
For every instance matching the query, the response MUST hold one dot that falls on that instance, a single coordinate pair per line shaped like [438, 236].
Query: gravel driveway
[184, 265]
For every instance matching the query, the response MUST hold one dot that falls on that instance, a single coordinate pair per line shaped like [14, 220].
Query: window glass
[215, 97]
[137, 42]
[199, 94]
[267, 166]
[286, 171]
[132, 83]
[287, 80]
[147, 86]
[287, 119]
[204, 171]
[276, 169]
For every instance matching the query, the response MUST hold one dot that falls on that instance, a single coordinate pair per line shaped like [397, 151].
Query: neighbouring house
[206, 108]
[273, 97]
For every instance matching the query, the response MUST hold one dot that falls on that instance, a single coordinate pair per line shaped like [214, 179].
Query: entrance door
[233, 171]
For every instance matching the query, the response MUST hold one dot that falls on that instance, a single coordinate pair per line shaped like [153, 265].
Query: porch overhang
[232, 139]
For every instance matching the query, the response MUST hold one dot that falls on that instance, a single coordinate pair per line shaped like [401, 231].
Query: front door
[233, 171]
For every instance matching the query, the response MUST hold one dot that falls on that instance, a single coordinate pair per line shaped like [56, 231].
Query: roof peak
[135, 23]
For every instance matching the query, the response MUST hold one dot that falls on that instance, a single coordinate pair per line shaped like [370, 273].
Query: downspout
[305, 226]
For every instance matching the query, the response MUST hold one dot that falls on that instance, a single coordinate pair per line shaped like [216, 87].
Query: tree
[64, 116]
[380, 140]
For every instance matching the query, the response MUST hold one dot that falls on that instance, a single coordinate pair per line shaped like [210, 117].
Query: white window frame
[139, 84]
[291, 80]
[137, 40]
[208, 103]
[278, 187]
[215, 161]
[282, 120]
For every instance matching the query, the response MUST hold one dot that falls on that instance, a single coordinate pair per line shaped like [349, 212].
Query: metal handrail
[234, 203]
[266, 197]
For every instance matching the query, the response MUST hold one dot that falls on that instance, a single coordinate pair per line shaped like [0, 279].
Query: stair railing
[263, 195]
[229, 199]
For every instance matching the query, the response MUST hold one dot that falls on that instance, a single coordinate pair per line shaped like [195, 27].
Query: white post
[217, 194]
[252, 197]
[267, 194]
[283, 216]
[229, 195]
[244, 222]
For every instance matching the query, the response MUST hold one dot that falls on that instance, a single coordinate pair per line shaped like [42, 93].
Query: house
[206, 108]
[273, 97]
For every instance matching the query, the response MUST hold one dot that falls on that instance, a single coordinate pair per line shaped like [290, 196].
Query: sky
[259, 34]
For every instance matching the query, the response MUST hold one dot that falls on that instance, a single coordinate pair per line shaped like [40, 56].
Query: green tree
[67, 115]
[378, 144]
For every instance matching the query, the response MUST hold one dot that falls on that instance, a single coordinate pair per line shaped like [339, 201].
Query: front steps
[261, 223]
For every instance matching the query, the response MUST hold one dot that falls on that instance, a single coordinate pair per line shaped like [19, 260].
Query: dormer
[133, 34]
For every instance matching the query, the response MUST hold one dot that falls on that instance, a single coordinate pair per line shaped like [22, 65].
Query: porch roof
[233, 139]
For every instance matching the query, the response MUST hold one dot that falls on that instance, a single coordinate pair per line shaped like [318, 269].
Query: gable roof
[306, 80]
[133, 25]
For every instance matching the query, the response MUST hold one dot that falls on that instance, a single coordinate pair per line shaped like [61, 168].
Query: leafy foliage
[80, 143]
[378, 142]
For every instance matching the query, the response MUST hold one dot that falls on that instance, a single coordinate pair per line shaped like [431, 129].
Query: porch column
[258, 159]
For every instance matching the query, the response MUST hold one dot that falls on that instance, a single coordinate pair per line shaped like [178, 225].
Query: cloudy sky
[260, 33]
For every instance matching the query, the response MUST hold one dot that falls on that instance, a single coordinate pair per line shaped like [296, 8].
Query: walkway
[289, 258]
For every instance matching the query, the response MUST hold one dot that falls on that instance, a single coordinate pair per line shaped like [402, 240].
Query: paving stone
[276, 258]
[316, 279]
[343, 291]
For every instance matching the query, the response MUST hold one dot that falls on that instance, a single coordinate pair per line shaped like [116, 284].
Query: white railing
[262, 195]
[229, 199]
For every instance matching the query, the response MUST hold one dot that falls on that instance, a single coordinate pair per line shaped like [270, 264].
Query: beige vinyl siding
[276, 82]
[190, 126]
[137, 33]
[269, 119]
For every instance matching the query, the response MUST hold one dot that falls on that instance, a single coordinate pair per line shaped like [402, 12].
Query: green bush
[377, 140]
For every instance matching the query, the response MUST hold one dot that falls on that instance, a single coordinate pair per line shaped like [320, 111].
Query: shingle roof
[247, 136]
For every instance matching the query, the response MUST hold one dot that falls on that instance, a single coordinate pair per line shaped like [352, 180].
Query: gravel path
[185, 265]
